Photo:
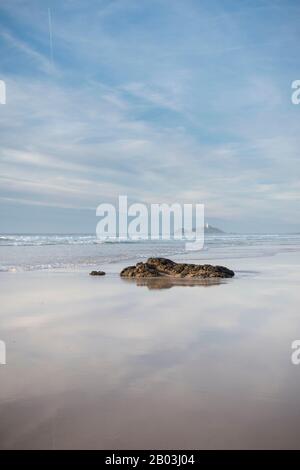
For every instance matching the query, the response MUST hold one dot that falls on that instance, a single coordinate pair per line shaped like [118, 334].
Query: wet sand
[105, 363]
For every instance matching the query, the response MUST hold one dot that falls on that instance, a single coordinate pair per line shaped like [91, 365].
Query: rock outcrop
[97, 273]
[158, 267]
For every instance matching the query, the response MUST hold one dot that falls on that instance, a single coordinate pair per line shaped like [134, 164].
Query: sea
[75, 252]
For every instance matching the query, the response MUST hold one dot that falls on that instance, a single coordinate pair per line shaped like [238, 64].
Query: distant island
[210, 229]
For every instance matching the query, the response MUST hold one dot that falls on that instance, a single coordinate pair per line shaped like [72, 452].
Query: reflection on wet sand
[168, 283]
[97, 363]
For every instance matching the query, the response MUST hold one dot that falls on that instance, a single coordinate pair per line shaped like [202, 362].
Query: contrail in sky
[50, 34]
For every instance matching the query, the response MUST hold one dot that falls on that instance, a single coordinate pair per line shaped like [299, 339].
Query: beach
[149, 230]
[104, 363]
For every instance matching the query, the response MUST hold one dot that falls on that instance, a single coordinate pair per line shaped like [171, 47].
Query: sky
[161, 100]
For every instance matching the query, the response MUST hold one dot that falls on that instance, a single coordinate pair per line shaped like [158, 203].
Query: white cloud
[134, 107]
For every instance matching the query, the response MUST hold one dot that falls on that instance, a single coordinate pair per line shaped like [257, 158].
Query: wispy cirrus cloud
[38, 58]
[183, 102]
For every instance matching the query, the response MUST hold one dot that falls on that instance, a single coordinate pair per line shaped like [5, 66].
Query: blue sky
[162, 100]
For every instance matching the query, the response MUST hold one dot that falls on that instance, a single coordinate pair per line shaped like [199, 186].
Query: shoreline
[81, 257]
